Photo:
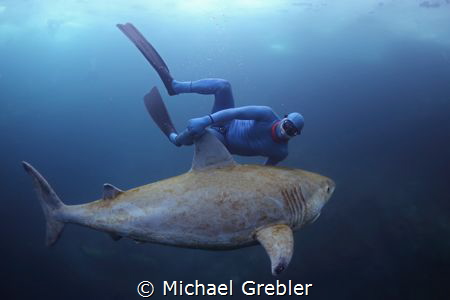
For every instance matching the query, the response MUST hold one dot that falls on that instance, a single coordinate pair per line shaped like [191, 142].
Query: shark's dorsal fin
[210, 153]
[278, 240]
[110, 192]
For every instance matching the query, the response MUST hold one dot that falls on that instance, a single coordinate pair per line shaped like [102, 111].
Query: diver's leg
[220, 88]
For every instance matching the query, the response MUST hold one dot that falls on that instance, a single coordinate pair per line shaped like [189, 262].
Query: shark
[218, 204]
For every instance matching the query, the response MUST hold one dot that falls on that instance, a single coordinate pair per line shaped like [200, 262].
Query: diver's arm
[184, 138]
[258, 113]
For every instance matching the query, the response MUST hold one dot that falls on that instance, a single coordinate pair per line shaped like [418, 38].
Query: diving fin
[150, 54]
[158, 111]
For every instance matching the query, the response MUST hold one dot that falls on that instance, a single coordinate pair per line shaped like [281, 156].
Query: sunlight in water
[233, 6]
[317, 17]
[278, 47]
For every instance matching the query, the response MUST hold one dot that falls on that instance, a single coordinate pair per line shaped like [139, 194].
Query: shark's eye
[328, 189]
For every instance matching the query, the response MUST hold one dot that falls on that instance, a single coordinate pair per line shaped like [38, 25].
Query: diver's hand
[184, 138]
[196, 126]
[173, 137]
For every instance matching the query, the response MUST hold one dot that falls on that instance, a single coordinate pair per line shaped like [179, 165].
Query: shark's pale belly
[215, 209]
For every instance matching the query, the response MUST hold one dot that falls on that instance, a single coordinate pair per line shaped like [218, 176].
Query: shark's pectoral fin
[115, 236]
[210, 153]
[110, 192]
[278, 240]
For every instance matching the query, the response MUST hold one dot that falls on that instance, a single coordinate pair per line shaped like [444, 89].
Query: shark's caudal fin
[50, 203]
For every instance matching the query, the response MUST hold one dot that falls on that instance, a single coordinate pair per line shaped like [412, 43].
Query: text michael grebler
[248, 288]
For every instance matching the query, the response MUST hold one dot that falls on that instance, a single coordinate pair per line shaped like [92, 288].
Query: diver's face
[288, 129]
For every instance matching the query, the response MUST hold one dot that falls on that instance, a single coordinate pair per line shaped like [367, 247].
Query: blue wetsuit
[247, 130]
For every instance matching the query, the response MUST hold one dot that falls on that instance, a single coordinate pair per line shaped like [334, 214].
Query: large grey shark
[218, 204]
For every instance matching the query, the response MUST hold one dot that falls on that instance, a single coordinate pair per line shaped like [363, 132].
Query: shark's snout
[330, 185]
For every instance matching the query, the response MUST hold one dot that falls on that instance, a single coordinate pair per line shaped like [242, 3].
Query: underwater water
[372, 79]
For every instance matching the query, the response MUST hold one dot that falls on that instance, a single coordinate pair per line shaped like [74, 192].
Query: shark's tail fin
[50, 202]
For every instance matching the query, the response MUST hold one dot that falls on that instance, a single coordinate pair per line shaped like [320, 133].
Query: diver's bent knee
[223, 84]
